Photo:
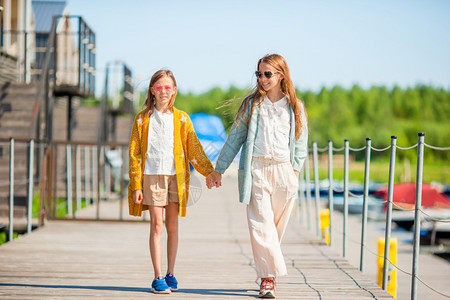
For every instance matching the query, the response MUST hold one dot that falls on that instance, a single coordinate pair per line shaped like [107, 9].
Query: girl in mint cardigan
[271, 128]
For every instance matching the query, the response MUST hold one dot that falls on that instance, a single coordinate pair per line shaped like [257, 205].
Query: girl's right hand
[214, 179]
[138, 196]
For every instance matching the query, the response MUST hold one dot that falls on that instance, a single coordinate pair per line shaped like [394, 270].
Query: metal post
[45, 182]
[69, 118]
[55, 180]
[92, 83]
[37, 170]
[30, 185]
[69, 179]
[11, 189]
[78, 176]
[87, 186]
[344, 235]
[365, 202]
[52, 182]
[94, 174]
[103, 107]
[107, 176]
[316, 186]
[55, 53]
[387, 238]
[80, 39]
[415, 266]
[308, 189]
[330, 187]
[99, 167]
[25, 51]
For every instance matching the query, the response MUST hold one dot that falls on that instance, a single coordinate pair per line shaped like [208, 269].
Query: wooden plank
[110, 260]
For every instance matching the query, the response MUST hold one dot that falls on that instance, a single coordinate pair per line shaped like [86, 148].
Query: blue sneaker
[159, 286]
[172, 282]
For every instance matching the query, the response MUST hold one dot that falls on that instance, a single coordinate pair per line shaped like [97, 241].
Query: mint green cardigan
[243, 135]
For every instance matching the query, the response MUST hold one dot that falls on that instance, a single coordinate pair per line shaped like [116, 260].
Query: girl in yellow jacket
[162, 144]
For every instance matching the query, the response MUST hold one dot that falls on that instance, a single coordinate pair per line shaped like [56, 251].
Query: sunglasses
[168, 88]
[267, 74]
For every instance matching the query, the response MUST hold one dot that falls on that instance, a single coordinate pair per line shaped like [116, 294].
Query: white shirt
[272, 136]
[160, 158]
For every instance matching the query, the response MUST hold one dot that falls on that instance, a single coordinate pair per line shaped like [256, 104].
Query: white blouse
[160, 158]
[272, 135]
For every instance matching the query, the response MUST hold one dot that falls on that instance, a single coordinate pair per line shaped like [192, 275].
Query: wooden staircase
[16, 106]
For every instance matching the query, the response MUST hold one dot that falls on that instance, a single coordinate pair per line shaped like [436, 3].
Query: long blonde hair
[258, 94]
[150, 101]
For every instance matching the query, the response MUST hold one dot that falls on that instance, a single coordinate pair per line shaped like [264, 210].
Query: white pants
[274, 190]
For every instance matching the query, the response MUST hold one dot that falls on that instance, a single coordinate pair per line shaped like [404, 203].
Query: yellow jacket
[187, 148]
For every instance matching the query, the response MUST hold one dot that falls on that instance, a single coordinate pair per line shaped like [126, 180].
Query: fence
[85, 174]
[17, 183]
[89, 165]
[418, 210]
[71, 177]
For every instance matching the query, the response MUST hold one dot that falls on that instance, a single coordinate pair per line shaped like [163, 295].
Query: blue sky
[326, 43]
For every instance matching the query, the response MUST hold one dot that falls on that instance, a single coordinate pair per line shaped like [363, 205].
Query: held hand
[210, 181]
[138, 196]
[214, 179]
[296, 173]
[217, 179]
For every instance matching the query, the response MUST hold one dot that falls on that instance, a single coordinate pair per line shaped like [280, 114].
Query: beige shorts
[159, 190]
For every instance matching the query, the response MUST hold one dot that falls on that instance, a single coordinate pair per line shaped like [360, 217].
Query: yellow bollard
[325, 224]
[392, 271]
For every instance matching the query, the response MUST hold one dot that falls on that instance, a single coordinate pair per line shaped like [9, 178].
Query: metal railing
[122, 92]
[73, 176]
[365, 198]
[76, 173]
[80, 176]
[72, 60]
[22, 180]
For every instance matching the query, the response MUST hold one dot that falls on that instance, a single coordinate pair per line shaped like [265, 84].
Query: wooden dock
[110, 260]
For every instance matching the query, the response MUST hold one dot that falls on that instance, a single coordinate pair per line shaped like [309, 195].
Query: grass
[61, 208]
[4, 237]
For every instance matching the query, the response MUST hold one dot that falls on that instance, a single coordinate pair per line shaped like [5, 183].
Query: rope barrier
[397, 267]
[402, 208]
[337, 191]
[406, 273]
[63, 176]
[380, 150]
[431, 288]
[435, 219]
[376, 200]
[354, 195]
[357, 149]
[407, 148]
[436, 148]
